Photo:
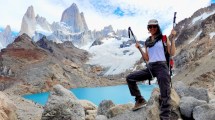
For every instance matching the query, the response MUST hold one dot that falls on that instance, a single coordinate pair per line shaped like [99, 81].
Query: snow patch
[212, 34]
[202, 17]
[195, 37]
[39, 29]
[109, 55]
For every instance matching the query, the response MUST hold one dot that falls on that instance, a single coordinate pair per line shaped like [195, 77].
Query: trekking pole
[141, 51]
[170, 58]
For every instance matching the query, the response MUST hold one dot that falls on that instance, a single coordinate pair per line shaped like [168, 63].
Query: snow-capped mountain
[114, 59]
[191, 32]
[6, 37]
[73, 18]
[116, 54]
[73, 27]
[195, 44]
[110, 49]
[28, 25]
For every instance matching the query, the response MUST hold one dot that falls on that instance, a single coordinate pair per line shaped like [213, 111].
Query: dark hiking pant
[159, 70]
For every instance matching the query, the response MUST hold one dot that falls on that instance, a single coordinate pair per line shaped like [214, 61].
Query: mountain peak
[72, 17]
[30, 12]
[7, 30]
[73, 6]
[6, 37]
[28, 22]
[22, 42]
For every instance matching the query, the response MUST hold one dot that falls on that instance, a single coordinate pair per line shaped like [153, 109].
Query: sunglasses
[152, 26]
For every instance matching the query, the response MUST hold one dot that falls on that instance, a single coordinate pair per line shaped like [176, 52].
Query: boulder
[132, 115]
[198, 93]
[62, 105]
[212, 101]
[87, 105]
[204, 112]
[7, 108]
[59, 90]
[187, 104]
[153, 107]
[104, 106]
[152, 110]
[90, 114]
[180, 87]
[119, 109]
[101, 117]
[89, 108]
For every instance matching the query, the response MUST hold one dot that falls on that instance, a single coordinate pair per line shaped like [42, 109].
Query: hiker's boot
[140, 102]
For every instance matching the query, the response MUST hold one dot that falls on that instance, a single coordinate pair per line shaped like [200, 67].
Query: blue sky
[100, 13]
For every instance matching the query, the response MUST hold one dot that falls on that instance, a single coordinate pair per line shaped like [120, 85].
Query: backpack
[169, 59]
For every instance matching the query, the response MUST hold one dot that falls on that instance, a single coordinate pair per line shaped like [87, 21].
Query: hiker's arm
[171, 43]
[144, 54]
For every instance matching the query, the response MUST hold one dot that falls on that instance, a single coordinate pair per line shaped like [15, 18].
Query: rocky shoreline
[188, 103]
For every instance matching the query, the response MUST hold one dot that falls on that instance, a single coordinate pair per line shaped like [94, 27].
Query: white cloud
[99, 13]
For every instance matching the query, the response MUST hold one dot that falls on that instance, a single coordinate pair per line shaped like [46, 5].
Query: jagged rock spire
[28, 22]
[6, 37]
[72, 17]
[7, 31]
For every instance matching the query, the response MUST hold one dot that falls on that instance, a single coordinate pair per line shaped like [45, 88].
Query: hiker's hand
[173, 33]
[137, 45]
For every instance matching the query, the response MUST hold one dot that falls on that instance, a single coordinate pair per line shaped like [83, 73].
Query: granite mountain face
[37, 66]
[28, 22]
[53, 49]
[195, 43]
[45, 54]
[6, 37]
[72, 27]
[72, 17]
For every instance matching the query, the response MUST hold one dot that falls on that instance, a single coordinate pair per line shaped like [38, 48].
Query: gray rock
[131, 115]
[88, 105]
[60, 91]
[101, 117]
[204, 112]
[104, 106]
[119, 109]
[149, 112]
[187, 104]
[62, 105]
[153, 107]
[212, 101]
[198, 93]
[180, 87]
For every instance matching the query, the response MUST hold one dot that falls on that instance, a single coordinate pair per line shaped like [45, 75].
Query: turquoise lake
[119, 94]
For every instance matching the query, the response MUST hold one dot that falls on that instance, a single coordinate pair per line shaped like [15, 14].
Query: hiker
[157, 65]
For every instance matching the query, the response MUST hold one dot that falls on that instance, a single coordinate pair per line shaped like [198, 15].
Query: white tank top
[156, 53]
